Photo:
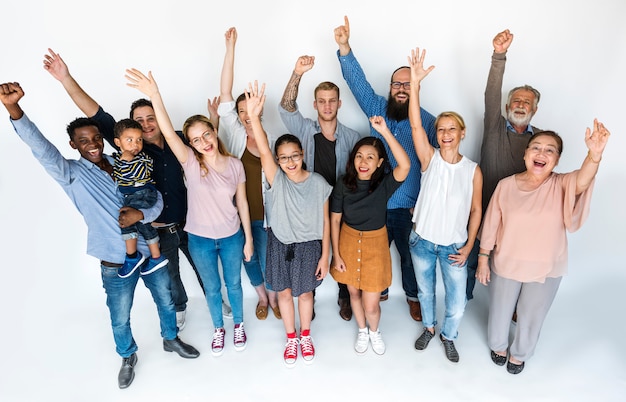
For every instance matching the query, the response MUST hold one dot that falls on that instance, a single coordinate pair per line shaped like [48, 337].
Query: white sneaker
[227, 312]
[180, 319]
[362, 341]
[377, 342]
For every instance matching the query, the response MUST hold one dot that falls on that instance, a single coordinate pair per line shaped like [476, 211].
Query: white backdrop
[573, 51]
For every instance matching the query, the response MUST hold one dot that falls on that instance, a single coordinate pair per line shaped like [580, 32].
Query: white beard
[519, 121]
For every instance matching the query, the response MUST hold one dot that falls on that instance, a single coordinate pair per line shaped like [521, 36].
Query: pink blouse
[527, 229]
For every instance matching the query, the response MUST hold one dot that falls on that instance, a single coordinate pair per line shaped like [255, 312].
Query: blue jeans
[174, 238]
[255, 268]
[399, 227]
[425, 256]
[145, 197]
[205, 252]
[472, 264]
[120, 293]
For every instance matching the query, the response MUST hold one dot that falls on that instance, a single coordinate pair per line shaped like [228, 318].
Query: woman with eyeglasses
[218, 219]
[524, 239]
[296, 206]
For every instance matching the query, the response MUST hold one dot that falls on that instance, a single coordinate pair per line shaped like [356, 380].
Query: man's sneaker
[217, 345]
[448, 347]
[154, 264]
[180, 319]
[362, 341]
[306, 347]
[424, 339]
[291, 352]
[378, 345]
[239, 338]
[130, 265]
[227, 312]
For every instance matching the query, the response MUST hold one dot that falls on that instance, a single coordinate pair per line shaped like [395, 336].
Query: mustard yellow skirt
[367, 259]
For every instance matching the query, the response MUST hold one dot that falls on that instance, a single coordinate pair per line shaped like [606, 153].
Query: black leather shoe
[127, 371]
[180, 347]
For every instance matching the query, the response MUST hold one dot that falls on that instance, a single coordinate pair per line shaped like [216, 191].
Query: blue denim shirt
[91, 189]
[376, 105]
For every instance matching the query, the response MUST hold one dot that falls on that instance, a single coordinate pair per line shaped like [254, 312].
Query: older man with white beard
[504, 138]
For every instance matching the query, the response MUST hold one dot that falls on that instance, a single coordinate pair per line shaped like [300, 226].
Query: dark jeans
[472, 264]
[399, 226]
[143, 198]
[174, 238]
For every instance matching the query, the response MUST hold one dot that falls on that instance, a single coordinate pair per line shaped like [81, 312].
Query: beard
[397, 111]
[519, 121]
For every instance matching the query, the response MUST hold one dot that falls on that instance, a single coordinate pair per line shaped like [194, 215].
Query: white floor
[59, 347]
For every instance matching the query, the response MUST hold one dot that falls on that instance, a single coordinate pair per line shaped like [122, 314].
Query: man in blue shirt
[89, 183]
[394, 109]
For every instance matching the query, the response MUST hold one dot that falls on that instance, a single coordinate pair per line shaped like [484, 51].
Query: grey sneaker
[227, 312]
[424, 339]
[448, 347]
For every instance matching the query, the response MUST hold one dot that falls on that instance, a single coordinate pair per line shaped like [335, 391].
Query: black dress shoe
[498, 359]
[514, 368]
[345, 309]
[180, 347]
[127, 371]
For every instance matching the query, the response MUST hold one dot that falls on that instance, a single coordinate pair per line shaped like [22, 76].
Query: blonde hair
[454, 116]
[198, 118]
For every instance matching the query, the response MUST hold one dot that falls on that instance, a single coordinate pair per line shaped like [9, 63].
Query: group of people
[323, 199]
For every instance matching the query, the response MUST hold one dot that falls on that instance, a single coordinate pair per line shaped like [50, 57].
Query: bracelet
[483, 255]
[591, 159]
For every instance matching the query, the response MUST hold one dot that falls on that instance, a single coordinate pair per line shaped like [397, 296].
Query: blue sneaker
[130, 265]
[154, 264]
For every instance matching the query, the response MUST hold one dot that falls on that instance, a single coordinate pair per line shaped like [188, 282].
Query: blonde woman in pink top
[218, 219]
[524, 238]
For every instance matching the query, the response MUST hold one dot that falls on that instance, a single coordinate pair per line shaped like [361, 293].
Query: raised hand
[10, 93]
[502, 41]
[596, 140]
[379, 124]
[342, 33]
[136, 79]
[416, 62]
[212, 106]
[255, 99]
[304, 64]
[231, 37]
[54, 64]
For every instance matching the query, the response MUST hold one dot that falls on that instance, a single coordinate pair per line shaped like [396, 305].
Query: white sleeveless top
[443, 205]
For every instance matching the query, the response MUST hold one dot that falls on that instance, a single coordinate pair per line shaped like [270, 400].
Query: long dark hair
[349, 179]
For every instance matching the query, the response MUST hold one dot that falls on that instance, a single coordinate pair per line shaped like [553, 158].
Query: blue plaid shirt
[376, 105]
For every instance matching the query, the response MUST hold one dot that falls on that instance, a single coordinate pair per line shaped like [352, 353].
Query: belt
[110, 264]
[171, 228]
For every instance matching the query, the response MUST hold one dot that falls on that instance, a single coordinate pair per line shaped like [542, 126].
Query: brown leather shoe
[261, 311]
[415, 310]
[276, 311]
[345, 309]
[384, 297]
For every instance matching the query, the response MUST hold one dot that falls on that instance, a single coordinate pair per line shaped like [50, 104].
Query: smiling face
[145, 116]
[89, 143]
[202, 138]
[242, 113]
[542, 154]
[130, 140]
[289, 157]
[521, 107]
[400, 95]
[366, 161]
[449, 133]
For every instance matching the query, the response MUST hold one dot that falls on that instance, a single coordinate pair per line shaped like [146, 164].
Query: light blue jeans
[205, 252]
[425, 256]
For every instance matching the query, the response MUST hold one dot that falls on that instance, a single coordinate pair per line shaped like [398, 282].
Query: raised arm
[493, 90]
[423, 148]
[255, 99]
[228, 68]
[54, 64]
[342, 37]
[401, 171]
[148, 86]
[214, 116]
[596, 142]
[303, 64]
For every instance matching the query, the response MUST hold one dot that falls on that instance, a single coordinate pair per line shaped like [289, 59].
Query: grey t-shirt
[295, 211]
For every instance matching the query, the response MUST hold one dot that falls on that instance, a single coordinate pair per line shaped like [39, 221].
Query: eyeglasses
[548, 150]
[398, 84]
[203, 138]
[284, 159]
